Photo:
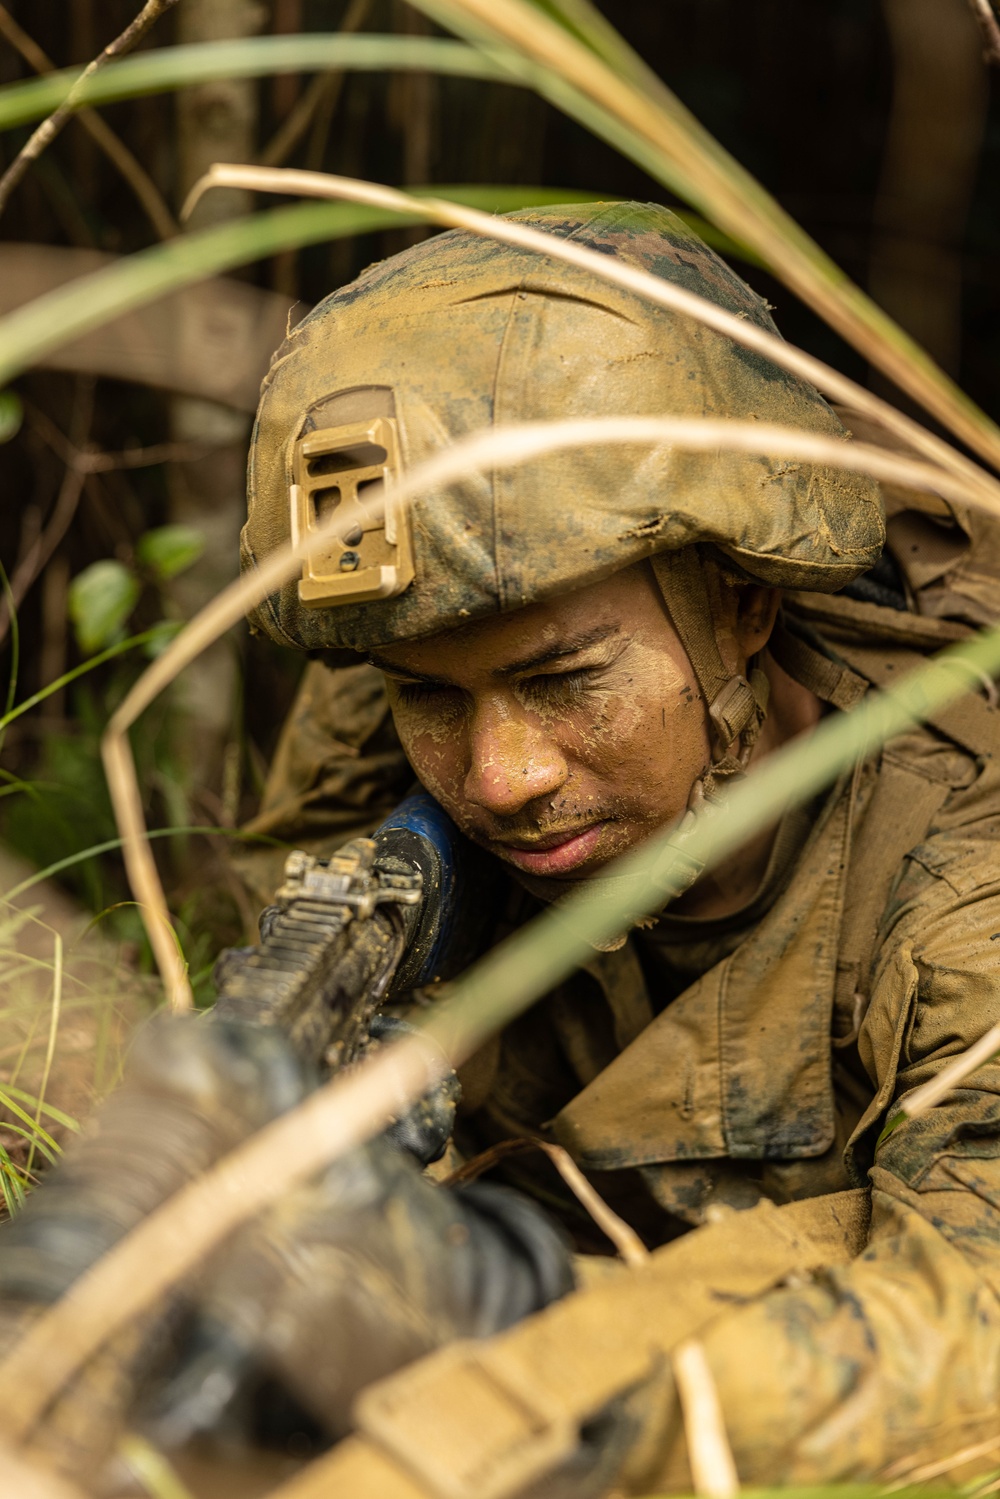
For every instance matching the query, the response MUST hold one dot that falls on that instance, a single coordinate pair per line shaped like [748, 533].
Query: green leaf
[11, 415]
[101, 598]
[28, 334]
[586, 69]
[160, 636]
[168, 550]
[249, 57]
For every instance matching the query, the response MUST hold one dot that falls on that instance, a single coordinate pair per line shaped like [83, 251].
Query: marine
[568, 655]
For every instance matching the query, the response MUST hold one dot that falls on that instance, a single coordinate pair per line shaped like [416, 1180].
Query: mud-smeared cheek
[436, 748]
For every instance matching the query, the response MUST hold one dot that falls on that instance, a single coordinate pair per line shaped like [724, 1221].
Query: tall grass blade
[354, 1107]
[50, 1050]
[112, 845]
[166, 68]
[77, 671]
[61, 315]
[599, 77]
[455, 214]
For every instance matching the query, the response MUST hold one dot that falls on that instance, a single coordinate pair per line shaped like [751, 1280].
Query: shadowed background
[869, 120]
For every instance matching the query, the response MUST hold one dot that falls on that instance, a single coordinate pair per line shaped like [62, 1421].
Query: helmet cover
[462, 332]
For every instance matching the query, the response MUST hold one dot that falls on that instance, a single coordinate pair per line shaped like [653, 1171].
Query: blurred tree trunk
[216, 122]
[932, 153]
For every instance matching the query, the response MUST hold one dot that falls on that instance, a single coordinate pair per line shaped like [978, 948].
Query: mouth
[554, 853]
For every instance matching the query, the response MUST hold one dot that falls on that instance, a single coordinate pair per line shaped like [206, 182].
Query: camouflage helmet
[462, 332]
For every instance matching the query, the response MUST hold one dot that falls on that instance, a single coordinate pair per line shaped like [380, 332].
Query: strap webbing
[736, 706]
[830, 681]
[682, 583]
[485, 1419]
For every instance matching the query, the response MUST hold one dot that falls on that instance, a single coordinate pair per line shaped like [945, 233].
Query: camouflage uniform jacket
[773, 1072]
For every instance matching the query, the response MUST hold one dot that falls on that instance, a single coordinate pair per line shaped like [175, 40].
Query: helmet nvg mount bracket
[461, 333]
[333, 467]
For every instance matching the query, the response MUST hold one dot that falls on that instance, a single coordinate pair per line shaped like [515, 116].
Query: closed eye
[548, 686]
[409, 693]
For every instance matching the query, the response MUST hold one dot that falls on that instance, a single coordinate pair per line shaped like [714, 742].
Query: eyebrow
[568, 646]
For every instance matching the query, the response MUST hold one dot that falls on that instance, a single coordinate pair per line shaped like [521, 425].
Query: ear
[756, 609]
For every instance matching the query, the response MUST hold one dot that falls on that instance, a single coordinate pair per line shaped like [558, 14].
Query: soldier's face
[559, 736]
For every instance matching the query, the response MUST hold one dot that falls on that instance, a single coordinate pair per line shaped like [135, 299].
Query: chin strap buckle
[739, 709]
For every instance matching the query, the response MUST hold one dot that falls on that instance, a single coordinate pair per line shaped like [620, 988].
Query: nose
[512, 758]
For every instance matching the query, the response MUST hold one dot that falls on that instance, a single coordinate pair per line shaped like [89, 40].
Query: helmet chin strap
[737, 705]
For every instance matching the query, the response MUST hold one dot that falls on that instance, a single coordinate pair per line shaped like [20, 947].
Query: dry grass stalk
[140, 866]
[114, 148]
[925, 1097]
[324, 90]
[906, 1472]
[662, 293]
[712, 180]
[628, 1246]
[710, 1456]
[50, 1048]
[47, 131]
[498, 447]
[175, 1239]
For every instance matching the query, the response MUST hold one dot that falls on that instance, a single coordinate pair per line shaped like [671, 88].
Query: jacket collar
[739, 1064]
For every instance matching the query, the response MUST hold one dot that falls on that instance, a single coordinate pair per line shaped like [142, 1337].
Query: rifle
[378, 918]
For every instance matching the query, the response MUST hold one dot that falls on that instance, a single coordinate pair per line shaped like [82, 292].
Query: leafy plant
[568, 52]
[104, 596]
[100, 601]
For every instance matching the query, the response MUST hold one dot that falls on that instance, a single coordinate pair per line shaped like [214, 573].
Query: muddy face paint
[559, 736]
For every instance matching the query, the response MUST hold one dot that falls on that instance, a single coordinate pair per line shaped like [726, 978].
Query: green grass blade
[594, 76]
[166, 68]
[35, 1142]
[63, 314]
[15, 640]
[112, 845]
[589, 71]
[71, 676]
[543, 953]
[7, 1101]
[66, 1120]
[11, 1184]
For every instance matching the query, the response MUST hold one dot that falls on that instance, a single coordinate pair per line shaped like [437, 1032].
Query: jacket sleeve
[894, 1359]
[337, 772]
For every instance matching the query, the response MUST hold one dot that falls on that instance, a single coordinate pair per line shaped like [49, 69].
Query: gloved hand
[423, 1129]
[191, 1093]
[349, 1278]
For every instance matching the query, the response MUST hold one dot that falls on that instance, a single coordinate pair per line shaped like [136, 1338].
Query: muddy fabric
[460, 334]
[330, 1289]
[771, 1074]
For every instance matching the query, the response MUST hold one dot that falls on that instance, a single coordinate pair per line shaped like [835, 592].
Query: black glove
[424, 1129]
[191, 1093]
[350, 1278]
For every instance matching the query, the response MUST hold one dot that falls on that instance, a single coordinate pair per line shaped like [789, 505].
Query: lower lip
[560, 857]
